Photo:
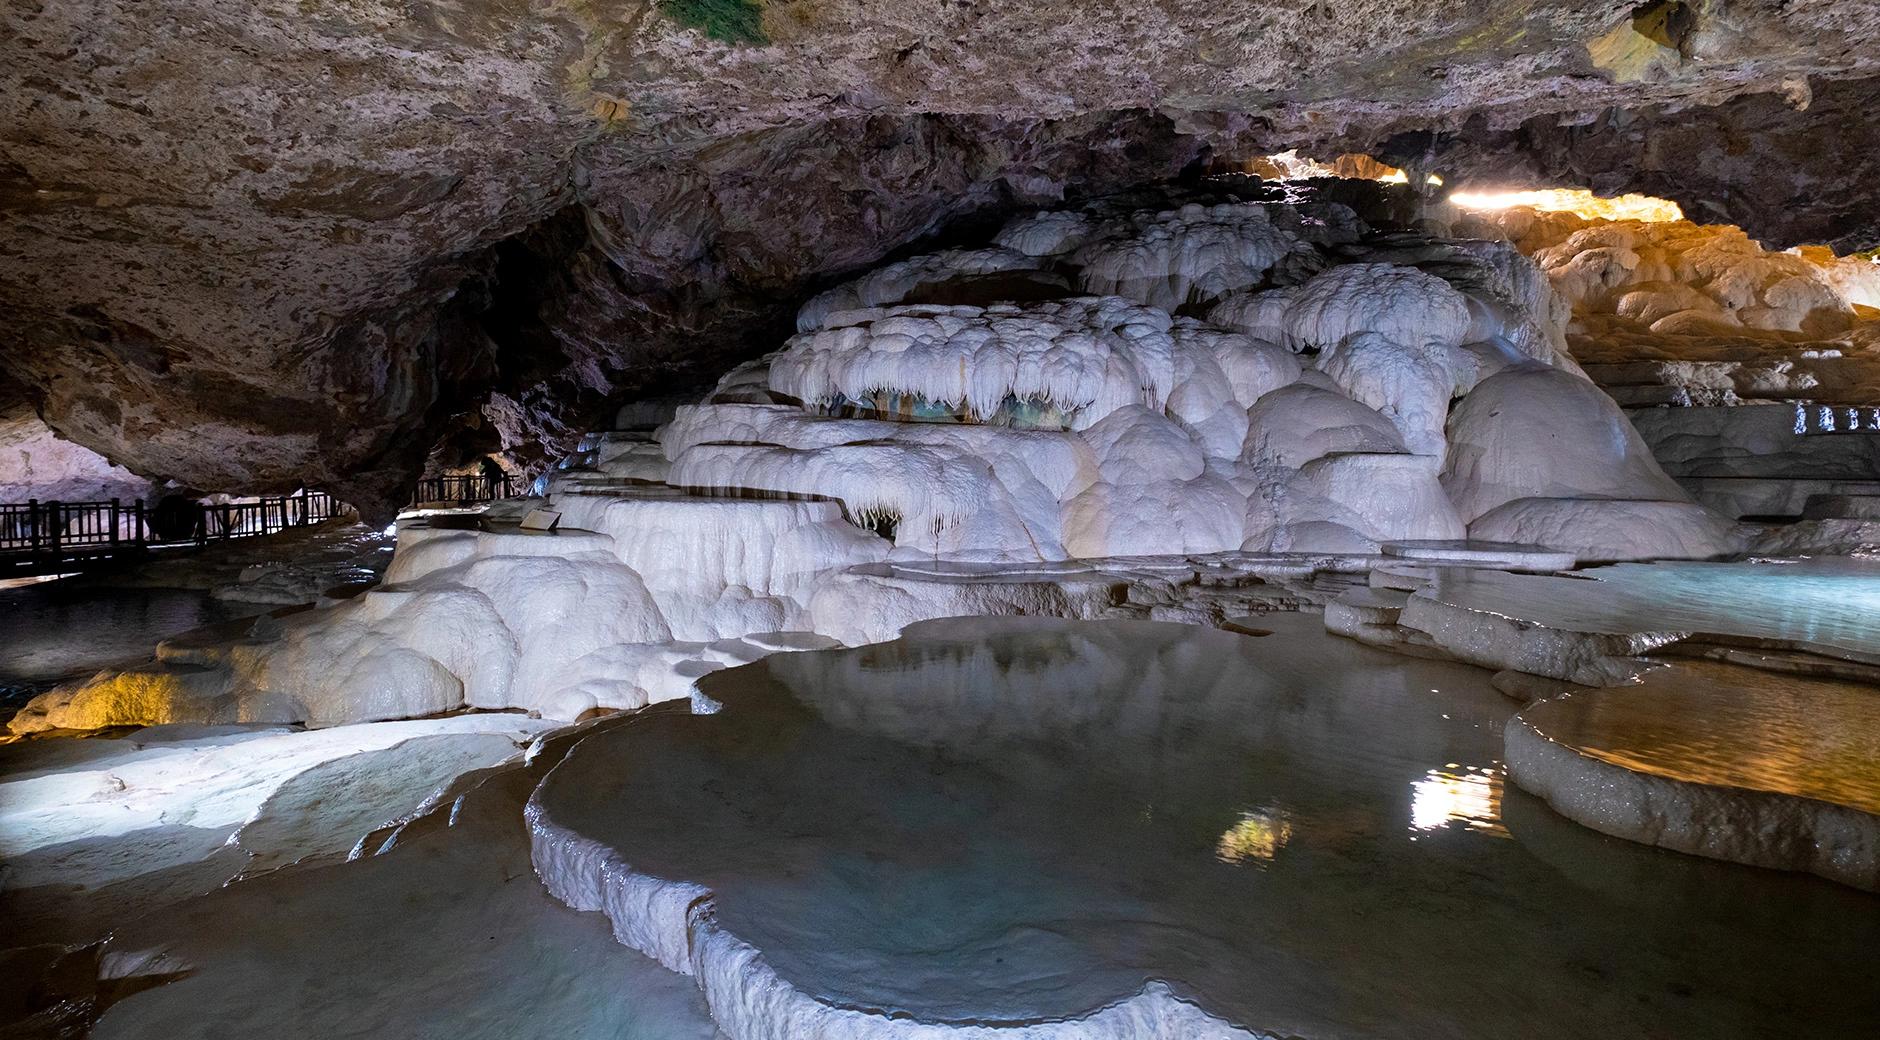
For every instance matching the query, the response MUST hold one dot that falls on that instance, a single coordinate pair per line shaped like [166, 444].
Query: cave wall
[668, 274]
[1791, 167]
[251, 246]
[36, 463]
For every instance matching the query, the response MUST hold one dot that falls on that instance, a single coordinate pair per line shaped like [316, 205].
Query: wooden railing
[36, 525]
[464, 490]
[225, 520]
[48, 537]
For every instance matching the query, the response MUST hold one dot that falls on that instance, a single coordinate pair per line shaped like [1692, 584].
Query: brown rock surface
[251, 246]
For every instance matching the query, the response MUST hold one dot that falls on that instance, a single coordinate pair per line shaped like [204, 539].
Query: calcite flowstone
[97, 831]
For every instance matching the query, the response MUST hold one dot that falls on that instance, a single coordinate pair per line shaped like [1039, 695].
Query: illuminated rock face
[1673, 276]
[1684, 324]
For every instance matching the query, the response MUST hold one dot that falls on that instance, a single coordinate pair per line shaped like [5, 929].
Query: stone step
[1365, 606]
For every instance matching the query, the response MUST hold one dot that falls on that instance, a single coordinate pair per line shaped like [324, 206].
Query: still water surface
[54, 631]
[1010, 820]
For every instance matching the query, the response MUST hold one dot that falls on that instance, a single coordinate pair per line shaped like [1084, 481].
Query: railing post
[53, 510]
[114, 523]
[32, 524]
[137, 516]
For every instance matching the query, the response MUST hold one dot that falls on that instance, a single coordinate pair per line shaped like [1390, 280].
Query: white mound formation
[1320, 406]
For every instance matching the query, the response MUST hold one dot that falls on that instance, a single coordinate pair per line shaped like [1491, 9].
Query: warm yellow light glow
[1256, 839]
[1400, 177]
[1469, 795]
[16, 583]
[1291, 166]
[1574, 200]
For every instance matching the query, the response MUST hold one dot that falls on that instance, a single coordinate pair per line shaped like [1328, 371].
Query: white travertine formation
[1410, 386]
[1190, 255]
[1384, 334]
[1310, 412]
[1084, 358]
[1401, 304]
[696, 553]
[1532, 431]
[1612, 529]
[937, 497]
[556, 624]
[1046, 234]
[1392, 496]
[1308, 420]
[96, 831]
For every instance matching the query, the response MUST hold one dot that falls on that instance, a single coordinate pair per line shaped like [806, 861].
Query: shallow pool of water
[1711, 724]
[1833, 604]
[1012, 820]
[57, 630]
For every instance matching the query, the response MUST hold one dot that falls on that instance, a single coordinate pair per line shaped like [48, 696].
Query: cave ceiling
[251, 246]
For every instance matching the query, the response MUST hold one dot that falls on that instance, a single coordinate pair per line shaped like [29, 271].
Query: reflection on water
[1256, 839]
[54, 631]
[1784, 734]
[1833, 602]
[1469, 796]
[1015, 819]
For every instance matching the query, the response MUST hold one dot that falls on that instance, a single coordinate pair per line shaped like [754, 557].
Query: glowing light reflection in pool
[1457, 794]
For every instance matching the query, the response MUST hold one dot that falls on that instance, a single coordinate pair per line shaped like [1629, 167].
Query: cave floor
[448, 934]
[1380, 894]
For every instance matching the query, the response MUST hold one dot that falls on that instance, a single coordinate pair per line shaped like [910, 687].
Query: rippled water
[1021, 819]
[1793, 736]
[54, 631]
